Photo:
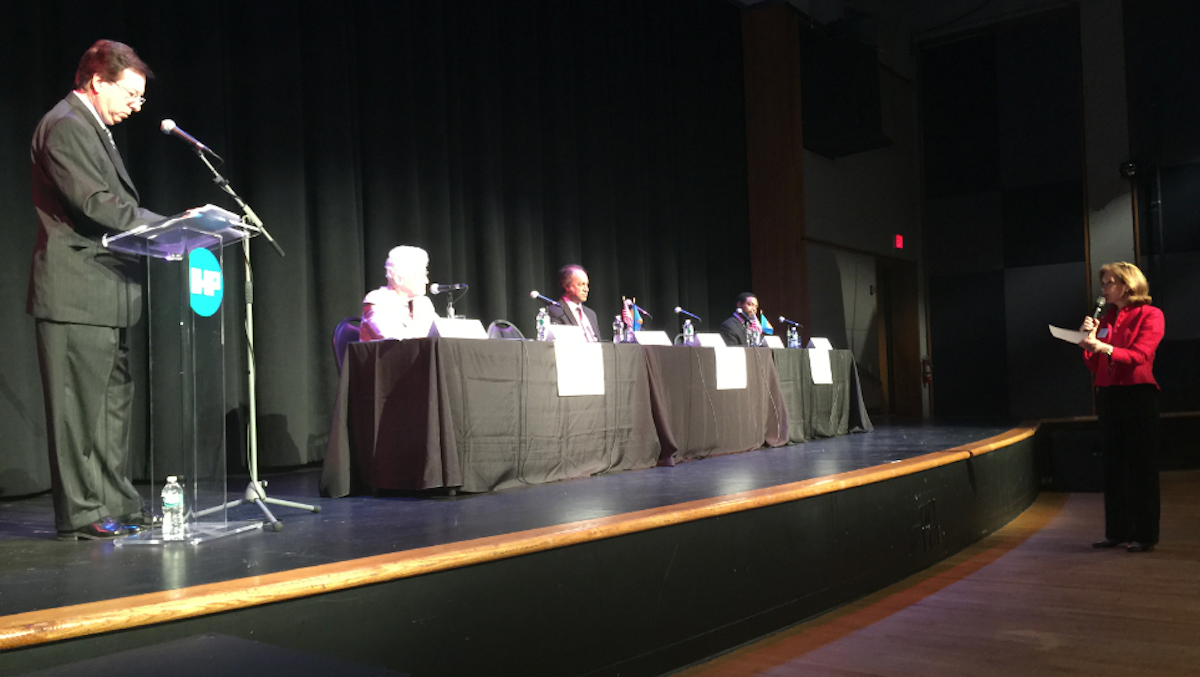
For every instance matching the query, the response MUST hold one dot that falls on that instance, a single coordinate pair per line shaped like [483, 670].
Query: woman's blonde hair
[1137, 289]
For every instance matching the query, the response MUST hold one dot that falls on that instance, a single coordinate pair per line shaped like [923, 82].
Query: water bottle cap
[172, 478]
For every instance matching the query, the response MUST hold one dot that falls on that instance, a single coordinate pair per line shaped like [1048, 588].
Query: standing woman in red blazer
[1119, 349]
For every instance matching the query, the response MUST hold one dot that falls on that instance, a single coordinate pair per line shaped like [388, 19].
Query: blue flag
[766, 326]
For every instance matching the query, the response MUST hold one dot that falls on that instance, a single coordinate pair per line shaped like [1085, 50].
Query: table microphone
[681, 311]
[544, 299]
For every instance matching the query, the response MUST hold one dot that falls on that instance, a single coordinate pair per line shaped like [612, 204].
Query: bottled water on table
[543, 324]
[173, 524]
[689, 333]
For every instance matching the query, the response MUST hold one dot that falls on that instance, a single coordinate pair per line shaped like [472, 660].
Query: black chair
[503, 329]
[344, 333]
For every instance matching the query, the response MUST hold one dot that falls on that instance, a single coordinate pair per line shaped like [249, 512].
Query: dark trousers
[88, 390]
[1130, 442]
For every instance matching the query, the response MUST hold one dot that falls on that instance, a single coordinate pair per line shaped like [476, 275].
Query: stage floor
[38, 572]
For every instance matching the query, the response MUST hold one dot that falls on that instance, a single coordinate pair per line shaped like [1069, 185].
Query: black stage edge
[643, 603]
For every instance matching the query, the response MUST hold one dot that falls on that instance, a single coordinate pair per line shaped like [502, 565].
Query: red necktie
[587, 327]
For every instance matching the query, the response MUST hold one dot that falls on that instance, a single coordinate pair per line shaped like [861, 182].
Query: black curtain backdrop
[507, 138]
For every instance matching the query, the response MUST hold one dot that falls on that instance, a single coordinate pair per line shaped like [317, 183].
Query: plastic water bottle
[543, 324]
[173, 511]
[689, 333]
[618, 330]
[793, 338]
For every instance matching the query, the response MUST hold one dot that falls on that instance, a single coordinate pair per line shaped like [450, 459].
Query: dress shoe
[1107, 543]
[1138, 546]
[103, 530]
[142, 519]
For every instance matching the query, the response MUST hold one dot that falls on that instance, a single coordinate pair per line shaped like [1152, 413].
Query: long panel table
[484, 415]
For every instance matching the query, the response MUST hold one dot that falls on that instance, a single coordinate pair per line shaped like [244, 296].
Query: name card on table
[580, 368]
[710, 340]
[773, 341]
[819, 367]
[457, 328]
[651, 338]
[565, 333]
[731, 367]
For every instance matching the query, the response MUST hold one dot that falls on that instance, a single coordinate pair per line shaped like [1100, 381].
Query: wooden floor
[1032, 599]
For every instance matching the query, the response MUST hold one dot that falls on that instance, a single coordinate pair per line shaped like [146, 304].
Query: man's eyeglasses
[133, 96]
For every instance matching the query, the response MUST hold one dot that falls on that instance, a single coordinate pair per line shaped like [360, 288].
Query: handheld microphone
[791, 322]
[544, 299]
[681, 311]
[1099, 308]
[169, 128]
[439, 288]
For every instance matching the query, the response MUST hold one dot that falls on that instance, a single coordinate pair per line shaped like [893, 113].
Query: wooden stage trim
[51, 625]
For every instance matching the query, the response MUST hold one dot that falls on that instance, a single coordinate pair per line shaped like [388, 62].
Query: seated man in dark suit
[573, 280]
[745, 315]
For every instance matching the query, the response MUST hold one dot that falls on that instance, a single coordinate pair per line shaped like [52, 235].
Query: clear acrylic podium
[186, 319]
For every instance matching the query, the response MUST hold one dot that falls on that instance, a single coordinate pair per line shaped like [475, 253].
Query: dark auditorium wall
[1163, 62]
[1004, 216]
[508, 138]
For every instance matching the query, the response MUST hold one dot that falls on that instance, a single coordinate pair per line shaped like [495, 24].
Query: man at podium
[84, 297]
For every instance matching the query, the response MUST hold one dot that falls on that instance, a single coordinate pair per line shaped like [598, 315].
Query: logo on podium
[207, 285]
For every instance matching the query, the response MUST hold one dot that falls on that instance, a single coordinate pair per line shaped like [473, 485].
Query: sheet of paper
[819, 367]
[731, 368]
[1073, 336]
[580, 368]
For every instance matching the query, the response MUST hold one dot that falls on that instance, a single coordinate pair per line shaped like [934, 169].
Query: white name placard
[565, 333]
[652, 338]
[819, 367]
[731, 368]
[580, 368]
[457, 328]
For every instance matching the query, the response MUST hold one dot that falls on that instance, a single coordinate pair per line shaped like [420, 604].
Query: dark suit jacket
[81, 192]
[559, 315]
[733, 330]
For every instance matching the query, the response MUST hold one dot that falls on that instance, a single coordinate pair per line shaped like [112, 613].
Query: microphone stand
[255, 492]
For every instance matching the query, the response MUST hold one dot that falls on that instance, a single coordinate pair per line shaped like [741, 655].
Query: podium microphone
[544, 299]
[169, 128]
[791, 322]
[439, 288]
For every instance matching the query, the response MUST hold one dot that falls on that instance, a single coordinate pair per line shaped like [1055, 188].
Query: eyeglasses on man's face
[134, 98]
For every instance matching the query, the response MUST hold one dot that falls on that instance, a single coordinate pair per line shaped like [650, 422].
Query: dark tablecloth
[821, 410]
[697, 420]
[485, 415]
[481, 415]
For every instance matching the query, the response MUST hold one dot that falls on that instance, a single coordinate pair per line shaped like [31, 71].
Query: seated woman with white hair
[400, 310]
